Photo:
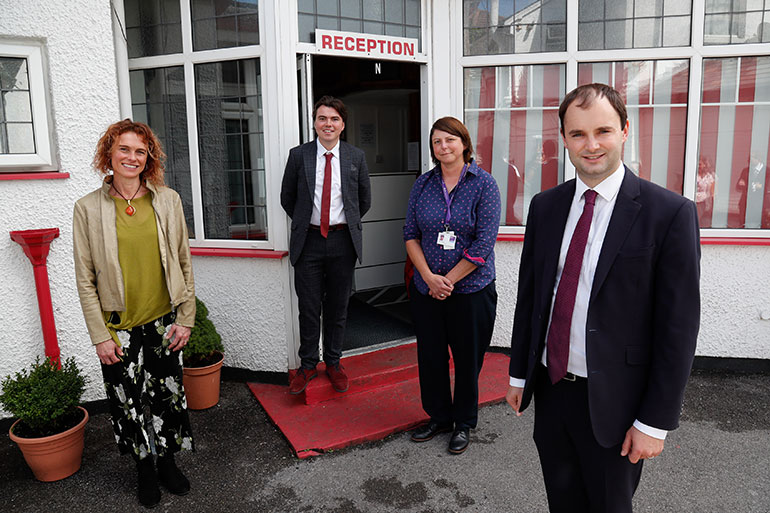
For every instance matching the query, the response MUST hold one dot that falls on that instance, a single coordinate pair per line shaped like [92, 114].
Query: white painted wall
[735, 291]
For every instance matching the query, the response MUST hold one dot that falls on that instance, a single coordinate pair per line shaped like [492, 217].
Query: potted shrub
[51, 423]
[203, 357]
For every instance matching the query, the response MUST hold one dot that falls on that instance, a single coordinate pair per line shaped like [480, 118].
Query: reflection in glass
[153, 27]
[512, 115]
[224, 23]
[733, 184]
[231, 147]
[747, 21]
[655, 93]
[17, 133]
[508, 26]
[158, 99]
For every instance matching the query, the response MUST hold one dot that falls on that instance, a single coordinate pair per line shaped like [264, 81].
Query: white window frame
[187, 60]
[43, 158]
[694, 54]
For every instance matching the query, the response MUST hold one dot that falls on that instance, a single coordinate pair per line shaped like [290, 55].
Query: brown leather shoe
[338, 377]
[301, 379]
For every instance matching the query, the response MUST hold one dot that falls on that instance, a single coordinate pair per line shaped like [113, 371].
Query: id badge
[447, 240]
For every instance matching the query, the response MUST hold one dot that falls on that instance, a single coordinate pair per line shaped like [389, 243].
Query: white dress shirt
[336, 211]
[607, 194]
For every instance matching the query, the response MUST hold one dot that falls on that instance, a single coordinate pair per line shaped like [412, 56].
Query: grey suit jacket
[298, 188]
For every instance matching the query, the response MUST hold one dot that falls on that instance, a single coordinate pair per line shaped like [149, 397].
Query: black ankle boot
[147, 483]
[171, 477]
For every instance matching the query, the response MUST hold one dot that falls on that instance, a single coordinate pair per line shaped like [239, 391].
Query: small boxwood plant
[45, 398]
[201, 349]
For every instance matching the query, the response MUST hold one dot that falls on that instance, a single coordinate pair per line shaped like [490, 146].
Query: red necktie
[561, 318]
[326, 195]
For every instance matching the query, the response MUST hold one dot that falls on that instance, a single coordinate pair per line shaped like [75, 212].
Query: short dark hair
[452, 126]
[334, 103]
[586, 94]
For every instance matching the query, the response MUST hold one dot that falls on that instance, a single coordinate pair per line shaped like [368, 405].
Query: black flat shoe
[429, 430]
[171, 477]
[459, 441]
[147, 490]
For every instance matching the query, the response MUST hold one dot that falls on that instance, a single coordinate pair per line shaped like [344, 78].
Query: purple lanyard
[449, 197]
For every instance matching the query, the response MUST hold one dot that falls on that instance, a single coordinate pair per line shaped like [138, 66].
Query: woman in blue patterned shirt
[450, 232]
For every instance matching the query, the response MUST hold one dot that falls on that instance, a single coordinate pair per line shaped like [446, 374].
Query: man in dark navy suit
[607, 314]
[325, 191]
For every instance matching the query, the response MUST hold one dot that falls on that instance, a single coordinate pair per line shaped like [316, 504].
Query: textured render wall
[247, 300]
[735, 295]
[80, 66]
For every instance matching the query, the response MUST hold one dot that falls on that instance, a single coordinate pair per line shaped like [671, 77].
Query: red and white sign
[368, 45]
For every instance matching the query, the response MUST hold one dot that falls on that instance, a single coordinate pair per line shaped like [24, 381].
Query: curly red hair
[155, 167]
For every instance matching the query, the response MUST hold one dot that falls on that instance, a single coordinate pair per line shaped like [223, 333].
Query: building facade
[229, 85]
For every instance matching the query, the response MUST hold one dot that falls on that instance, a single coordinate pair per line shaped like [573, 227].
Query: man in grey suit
[325, 191]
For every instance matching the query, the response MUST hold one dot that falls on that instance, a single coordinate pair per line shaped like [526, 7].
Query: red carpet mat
[383, 398]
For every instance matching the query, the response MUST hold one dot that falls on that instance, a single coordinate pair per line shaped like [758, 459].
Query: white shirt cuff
[517, 382]
[660, 434]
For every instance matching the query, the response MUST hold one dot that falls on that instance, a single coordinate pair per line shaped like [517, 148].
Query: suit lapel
[310, 154]
[345, 163]
[623, 217]
[554, 229]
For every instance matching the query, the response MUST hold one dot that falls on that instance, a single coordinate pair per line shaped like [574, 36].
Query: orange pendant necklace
[130, 210]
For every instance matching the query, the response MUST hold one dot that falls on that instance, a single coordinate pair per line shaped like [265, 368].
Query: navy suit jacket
[298, 190]
[644, 308]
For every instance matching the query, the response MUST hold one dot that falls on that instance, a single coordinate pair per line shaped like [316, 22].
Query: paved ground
[718, 461]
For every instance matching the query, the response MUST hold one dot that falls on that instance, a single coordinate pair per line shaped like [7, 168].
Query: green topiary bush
[45, 398]
[204, 342]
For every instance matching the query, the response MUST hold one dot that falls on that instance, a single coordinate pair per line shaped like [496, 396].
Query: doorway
[383, 102]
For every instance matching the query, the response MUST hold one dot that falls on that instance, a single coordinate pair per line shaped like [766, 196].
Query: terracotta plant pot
[54, 457]
[201, 385]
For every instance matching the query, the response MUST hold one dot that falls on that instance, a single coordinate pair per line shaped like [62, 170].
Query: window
[733, 180]
[400, 18]
[514, 26]
[512, 114]
[736, 21]
[655, 93]
[207, 111]
[24, 124]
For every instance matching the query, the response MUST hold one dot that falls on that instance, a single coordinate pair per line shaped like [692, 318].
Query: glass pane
[248, 29]
[648, 33]
[754, 5]
[413, 12]
[328, 7]
[21, 138]
[512, 115]
[153, 27]
[528, 38]
[591, 36]
[327, 23]
[732, 163]
[373, 10]
[394, 30]
[373, 27]
[590, 10]
[13, 73]
[746, 27]
[394, 11]
[714, 6]
[350, 8]
[618, 34]
[619, 9]
[347, 25]
[655, 93]
[676, 7]
[224, 24]
[649, 8]
[676, 31]
[231, 146]
[306, 6]
[306, 27]
[158, 99]
[17, 106]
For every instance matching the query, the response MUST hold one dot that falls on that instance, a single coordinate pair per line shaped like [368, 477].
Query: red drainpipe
[35, 244]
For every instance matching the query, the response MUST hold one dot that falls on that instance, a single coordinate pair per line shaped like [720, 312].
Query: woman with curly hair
[135, 281]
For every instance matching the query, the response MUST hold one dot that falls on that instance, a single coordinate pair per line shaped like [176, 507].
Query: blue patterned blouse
[475, 218]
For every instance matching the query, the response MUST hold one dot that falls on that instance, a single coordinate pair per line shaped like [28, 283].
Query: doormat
[375, 406]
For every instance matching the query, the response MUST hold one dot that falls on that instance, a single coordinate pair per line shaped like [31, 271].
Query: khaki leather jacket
[97, 269]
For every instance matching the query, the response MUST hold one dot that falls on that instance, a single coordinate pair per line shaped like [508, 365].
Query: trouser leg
[338, 282]
[432, 355]
[308, 283]
[470, 321]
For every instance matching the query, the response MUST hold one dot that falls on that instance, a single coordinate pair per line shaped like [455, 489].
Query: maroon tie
[561, 318]
[326, 195]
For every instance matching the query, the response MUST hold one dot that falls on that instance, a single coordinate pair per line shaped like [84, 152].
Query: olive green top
[147, 295]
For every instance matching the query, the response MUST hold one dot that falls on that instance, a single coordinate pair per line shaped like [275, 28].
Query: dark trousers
[580, 475]
[464, 323]
[323, 279]
[149, 373]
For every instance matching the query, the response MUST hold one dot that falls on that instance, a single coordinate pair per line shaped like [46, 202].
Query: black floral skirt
[149, 374]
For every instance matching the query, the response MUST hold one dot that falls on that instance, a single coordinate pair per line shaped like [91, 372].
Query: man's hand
[108, 352]
[513, 397]
[638, 446]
